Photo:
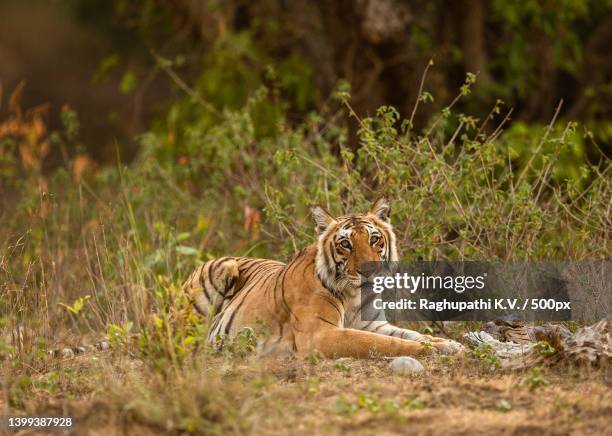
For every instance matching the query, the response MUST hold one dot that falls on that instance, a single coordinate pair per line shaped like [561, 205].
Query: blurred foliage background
[109, 60]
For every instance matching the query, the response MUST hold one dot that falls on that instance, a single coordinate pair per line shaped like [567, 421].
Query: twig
[497, 131]
[164, 65]
[440, 326]
[449, 107]
[418, 99]
[455, 134]
[486, 120]
[541, 143]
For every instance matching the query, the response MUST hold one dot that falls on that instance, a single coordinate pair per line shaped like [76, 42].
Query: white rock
[406, 365]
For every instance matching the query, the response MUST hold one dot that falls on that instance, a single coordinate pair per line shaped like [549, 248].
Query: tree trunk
[473, 37]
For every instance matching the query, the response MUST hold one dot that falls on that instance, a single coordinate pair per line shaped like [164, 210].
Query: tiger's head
[347, 242]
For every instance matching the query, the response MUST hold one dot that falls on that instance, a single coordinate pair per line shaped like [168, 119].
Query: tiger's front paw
[449, 347]
[428, 338]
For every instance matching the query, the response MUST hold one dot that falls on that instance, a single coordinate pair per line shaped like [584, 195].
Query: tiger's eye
[345, 244]
[374, 240]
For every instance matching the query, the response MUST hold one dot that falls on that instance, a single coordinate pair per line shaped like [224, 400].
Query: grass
[216, 395]
[87, 254]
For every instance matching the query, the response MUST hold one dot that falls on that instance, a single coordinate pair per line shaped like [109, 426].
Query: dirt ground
[110, 395]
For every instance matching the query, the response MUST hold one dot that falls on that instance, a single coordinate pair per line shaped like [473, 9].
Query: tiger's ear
[381, 209]
[322, 219]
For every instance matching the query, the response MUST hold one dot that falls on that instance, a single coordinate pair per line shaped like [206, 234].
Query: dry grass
[113, 394]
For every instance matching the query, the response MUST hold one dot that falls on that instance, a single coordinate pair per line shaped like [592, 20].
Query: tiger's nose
[370, 268]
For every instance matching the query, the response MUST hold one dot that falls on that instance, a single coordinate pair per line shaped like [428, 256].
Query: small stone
[406, 365]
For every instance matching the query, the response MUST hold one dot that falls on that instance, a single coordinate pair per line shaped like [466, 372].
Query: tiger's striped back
[219, 287]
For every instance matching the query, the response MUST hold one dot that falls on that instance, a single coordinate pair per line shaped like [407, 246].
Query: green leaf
[128, 82]
[182, 236]
[187, 251]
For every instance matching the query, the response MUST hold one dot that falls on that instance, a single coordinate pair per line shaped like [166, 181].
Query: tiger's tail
[213, 284]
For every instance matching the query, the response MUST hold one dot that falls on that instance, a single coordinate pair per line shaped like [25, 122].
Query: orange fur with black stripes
[312, 302]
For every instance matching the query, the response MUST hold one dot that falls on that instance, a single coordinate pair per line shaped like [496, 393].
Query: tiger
[311, 303]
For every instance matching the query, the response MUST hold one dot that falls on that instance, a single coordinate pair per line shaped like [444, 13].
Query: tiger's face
[346, 243]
